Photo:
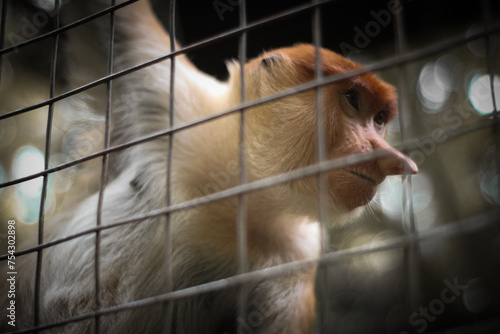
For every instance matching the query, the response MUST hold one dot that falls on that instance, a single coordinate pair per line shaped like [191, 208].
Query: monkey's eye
[352, 98]
[381, 118]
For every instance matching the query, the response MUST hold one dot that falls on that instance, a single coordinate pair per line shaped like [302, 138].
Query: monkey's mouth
[364, 177]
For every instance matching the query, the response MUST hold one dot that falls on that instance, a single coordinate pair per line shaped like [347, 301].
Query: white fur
[204, 238]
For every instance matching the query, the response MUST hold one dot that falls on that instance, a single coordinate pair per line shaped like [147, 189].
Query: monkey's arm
[141, 98]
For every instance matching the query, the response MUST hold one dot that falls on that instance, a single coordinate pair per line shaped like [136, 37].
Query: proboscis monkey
[280, 136]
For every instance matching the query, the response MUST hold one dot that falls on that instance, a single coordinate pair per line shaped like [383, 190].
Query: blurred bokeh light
[28, 160]
[480, 93]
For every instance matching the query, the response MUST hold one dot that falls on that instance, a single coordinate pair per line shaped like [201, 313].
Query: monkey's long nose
[394, 162]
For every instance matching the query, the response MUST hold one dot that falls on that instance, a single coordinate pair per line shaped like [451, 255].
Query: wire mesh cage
[423, 257]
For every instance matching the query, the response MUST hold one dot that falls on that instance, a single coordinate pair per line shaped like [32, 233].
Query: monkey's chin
[354, 191]
[361, 198]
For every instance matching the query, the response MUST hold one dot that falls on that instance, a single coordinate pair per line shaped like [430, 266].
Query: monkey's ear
[271, 60]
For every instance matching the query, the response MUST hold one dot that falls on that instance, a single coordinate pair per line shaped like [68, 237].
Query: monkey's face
[355, 112]
[361, 107]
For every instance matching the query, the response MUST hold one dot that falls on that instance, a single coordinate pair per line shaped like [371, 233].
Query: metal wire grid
[410, 242]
